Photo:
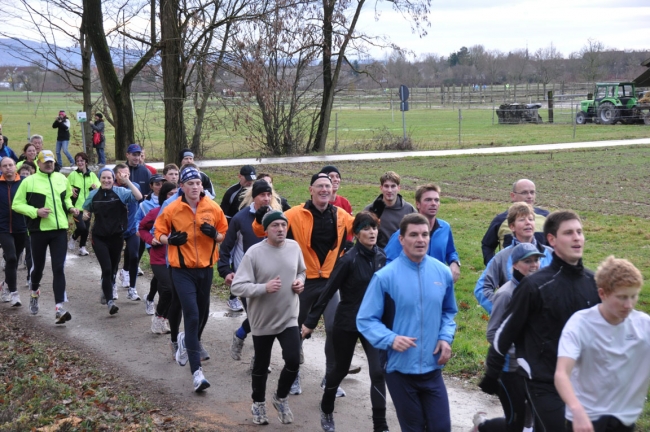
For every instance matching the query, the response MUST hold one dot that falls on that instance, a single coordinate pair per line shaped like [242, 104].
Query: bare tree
[548, 62]
[591, 60]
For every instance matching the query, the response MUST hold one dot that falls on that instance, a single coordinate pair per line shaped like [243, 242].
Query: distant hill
[14, 53]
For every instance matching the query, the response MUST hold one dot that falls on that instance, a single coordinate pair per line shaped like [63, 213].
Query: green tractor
[613, 102]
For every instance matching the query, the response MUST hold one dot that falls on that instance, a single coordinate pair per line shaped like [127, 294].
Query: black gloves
[494, 363]
[259, 214]
[177, 238]
[489, 384]
[209, 230]
[378, 207]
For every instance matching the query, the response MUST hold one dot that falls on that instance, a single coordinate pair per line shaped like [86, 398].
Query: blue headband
[106, 169]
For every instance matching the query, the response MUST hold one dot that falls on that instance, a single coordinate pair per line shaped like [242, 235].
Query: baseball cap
[248, 172]
[156, 178]
[523, 251]
[134, 148]
[46, 156]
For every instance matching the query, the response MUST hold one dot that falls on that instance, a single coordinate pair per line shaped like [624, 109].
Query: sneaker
[236, 347]
[295, 387]
[114, 292]
[112, 307]
[83, 251]
[166, 327]
[5, 294]
[302, 355]
[71, 243]
[339, 391]
[203, 353]
[479, 419]
[174, 347]
[15, 299]
[33, 302]
[181, 352]
[126, 279]
[284, 412]
[133, 295]
[140, 272]
[62, 315]
[235, 305]
[259, 413]
[149, 307]
[157, 325]
[354, 369]
[102, 298]
[200, 383]
[327, 421]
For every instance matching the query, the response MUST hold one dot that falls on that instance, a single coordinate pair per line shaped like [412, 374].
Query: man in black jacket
[233, 196]
[138, 173]
[541, 305]
[498, 235]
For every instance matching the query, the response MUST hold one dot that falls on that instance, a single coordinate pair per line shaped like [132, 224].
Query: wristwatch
[457, 262]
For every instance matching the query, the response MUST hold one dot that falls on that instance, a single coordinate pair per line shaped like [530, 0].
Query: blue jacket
[409, 299]
[441, 244]
[146, 205]
[132, 207]
[499, 271]
[10, 221]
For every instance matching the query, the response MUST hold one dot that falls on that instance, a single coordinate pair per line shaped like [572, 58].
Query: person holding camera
[62, 123]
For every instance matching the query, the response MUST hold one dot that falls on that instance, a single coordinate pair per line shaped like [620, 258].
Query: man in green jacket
[44, 198]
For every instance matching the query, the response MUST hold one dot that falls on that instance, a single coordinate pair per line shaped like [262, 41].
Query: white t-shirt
[612, 371]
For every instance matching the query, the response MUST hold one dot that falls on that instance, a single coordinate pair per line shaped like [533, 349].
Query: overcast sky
[507, 25]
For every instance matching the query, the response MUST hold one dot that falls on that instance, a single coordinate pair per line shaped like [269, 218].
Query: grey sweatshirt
[270, 313]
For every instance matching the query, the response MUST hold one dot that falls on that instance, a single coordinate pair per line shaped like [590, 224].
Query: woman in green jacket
[82, 181]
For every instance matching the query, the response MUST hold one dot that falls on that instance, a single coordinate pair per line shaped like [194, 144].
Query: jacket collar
[559, 264]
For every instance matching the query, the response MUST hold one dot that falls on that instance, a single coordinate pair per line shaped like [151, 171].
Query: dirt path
[128, 347]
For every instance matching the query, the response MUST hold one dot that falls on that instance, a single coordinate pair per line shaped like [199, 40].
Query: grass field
[358, 130]
[609, 189]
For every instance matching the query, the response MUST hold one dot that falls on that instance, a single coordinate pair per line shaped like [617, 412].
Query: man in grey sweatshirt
[271, 276]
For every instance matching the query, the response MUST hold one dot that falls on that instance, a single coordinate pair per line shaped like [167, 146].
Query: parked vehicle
[614, 102]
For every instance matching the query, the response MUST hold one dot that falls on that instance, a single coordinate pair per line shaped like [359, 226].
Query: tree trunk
[173, 82]
[86, 54]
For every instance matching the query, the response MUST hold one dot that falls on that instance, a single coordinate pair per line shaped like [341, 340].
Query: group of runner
[383, 277]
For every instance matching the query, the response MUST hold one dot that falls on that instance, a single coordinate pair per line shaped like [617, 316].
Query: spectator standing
[62, 124]
[98, 126]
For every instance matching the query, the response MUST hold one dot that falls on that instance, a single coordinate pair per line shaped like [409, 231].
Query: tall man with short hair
[271, 276]
[409, 311]
[233, 196]
[45, 199]
[498, 234]
[390, 207]
[138, 173]
[541, 305]
[441, 241]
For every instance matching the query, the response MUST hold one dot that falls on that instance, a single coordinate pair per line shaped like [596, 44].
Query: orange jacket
[200, 251]
[301, 223]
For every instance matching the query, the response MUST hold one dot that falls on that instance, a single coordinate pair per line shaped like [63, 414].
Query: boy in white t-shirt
[603, 370]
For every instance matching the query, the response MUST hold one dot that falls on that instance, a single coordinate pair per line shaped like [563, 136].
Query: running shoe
[15, 299]
[126, 278]
[149, 307]
[33, 302]
[140, 272]
[102, 298]
[339, 391]
[5, 294]
[166, 326]
[133, 295]
[295, 387]
[327, 421]
[236, 347]
[114, 292]
[83, 251]
[112, 307]
[354, 369]
[200, 383]
[203, 353]
[71, 243]
[62, 315]
[235, 305]
[479, 419]
[174, 348]
[284, 412]
[157, 326]
[181, 352]
[259, 413]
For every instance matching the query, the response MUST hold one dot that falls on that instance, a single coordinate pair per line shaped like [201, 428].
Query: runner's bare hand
[444, 349]
[273, 285]
[402, 343]
[43, 212]
[298, 286]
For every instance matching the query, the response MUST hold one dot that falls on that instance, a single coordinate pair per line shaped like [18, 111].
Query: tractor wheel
[646, 118]
[608, 114]
[581, 118]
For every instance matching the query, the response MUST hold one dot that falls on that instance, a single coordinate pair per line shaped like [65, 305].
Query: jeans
[57, 240]
[12, 246]
[101, 156]
[108, 250]
[289, 340]
[193, 289]
[63, 145]
[421, 401]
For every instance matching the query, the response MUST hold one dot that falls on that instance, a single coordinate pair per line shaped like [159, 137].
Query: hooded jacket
[10, 221]
[44, 190]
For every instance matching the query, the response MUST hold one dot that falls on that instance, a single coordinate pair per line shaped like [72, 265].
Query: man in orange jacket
[192, 227]
[321, 230]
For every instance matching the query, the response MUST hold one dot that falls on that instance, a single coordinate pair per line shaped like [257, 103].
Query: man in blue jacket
[441, 242]
[409, 311]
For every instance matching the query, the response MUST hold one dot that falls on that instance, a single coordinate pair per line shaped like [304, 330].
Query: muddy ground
[124, 345]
